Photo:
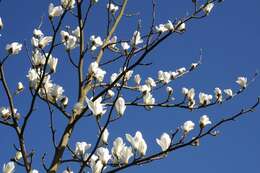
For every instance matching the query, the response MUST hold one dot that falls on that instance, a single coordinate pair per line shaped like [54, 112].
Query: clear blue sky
[230, 41]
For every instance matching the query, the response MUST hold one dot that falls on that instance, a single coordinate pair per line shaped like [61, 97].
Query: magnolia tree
[102, 96]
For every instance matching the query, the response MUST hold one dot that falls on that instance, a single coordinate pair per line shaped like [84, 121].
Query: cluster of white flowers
[70, 40]
[39, 40]
[95, 42]
[13, 48]
[55, 11]
[99, 74]
[112, 8]
[189, 125]
[5, 113]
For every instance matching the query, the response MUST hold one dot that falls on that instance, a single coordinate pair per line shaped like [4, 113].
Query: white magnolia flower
[149, 81]
[116, 150]
[188, 126]
[37, 33]
[81, 148]
[67, 171]
[136, 39]
[185, 91]
[96, 42]
[103, 155]
[105, 136]
[125, 45]
[164, 142]
[228, 92]
[97, 167]
[56, 91]
[37, 58]
[68, 4]
[19, 87]
[164, 77]
[161, 28]
[194, 65]
[5, 113]
[242, 82]
[181, 70]
[137, 79]
[76, 32]
[44, 41]
[1, 24]
[145, 88]
[137, 142]
[120, 106]
[174, 74]
[71, 43]
[14, 48]
[126, 154]
[169, 26]
[149, 100]
[64, 101]
[207, 9]
[99, 74]
[182, 26]
[169, 90]
[53, 62]
[110, 93]
[9, 167]
[205, 99]
[120, 152]
[55, 11]
[34, 171]
[18, 155]
[204, 120]
[191, 94]
[96, 107]
[112, 7]
[218, 94]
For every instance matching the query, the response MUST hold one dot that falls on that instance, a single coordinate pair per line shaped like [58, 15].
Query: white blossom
[103, 155]
[96, 42]
[161, 28]
[204, 120]
[149, 100]
[9, 167]
[207, 9]
[19, 87]
[169, 90]
[1, 24]
[37, 33]
[149, 81]
[126, 154]
[14, 48]
[56, 91]
[136, 39]
[137, 142]
[181, 26]
[18, 155]
[43, 42]
[105, 135]
[53, 62]
[112, 7]
[205, 99]
[218, 94]
[185, 91]
[81, 148]
[188, 126]
[164, 142]
[96, 107]
[34, 171]
[113, 77]
[68, 4]
[110, 93]
[55, 11]
[228, 92]
[120, 106]
[125, 45]
[242, 82]
[169, 26]
[97, 167]
[64, 101]
[145, 88]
